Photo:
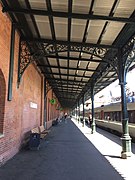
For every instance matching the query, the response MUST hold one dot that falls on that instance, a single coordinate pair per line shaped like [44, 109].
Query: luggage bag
[34, 142]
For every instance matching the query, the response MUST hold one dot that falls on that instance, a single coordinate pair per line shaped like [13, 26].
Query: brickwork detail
[25, 111]
[17, 116]
[2, 100]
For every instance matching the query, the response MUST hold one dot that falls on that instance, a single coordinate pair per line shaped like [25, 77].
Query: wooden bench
[35, 130]
[26, 137]
[40, 130]
[43, 132]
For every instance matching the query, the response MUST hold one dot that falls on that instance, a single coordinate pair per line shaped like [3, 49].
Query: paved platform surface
[109, 145]
[71, 152]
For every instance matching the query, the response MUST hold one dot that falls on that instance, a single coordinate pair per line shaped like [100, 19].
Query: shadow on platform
[65, 154]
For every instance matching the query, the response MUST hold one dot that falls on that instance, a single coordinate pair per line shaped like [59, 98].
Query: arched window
[2, 100]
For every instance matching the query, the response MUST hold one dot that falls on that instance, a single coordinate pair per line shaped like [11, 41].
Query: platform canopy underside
[73, 41]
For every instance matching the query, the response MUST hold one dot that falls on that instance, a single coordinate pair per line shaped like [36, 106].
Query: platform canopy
[71, 40]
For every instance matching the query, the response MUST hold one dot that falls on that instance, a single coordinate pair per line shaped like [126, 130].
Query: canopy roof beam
[67, 15]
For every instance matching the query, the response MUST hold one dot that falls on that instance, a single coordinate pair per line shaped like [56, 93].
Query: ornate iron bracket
[48, 88]
[129, 52]
[25, 59]
[123, 58]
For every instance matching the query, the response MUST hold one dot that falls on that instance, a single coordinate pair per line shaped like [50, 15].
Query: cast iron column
[93, 126]
[11, 67]
[78, 112]
[126, 140]
[83, 111]
[73, 112]
[45, 93]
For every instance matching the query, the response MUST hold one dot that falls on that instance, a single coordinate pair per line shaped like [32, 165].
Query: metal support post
[11, 67]
[45, 112]
[83, 112]
[126, 140]
[78, 112]
[93, 126]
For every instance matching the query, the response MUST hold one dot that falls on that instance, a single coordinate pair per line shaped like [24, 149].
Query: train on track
[108, 117]
[113, 112]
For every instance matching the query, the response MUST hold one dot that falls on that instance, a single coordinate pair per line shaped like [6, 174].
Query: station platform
[71, 152]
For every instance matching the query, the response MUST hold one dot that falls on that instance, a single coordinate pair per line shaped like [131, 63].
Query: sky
[113, 91]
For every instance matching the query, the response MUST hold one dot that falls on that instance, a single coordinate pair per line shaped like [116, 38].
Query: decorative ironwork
[129, 53]
[48, 88]
[126, 57]
[51, 48]
[131, 58]
[114, 63]
[25, 58]
[57, 48]
[129, 46]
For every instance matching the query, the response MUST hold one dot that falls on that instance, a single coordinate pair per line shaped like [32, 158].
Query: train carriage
[113, 112]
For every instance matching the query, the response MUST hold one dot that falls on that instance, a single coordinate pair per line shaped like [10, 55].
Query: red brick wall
[18, 116]
[2, 100]
[52, 112]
